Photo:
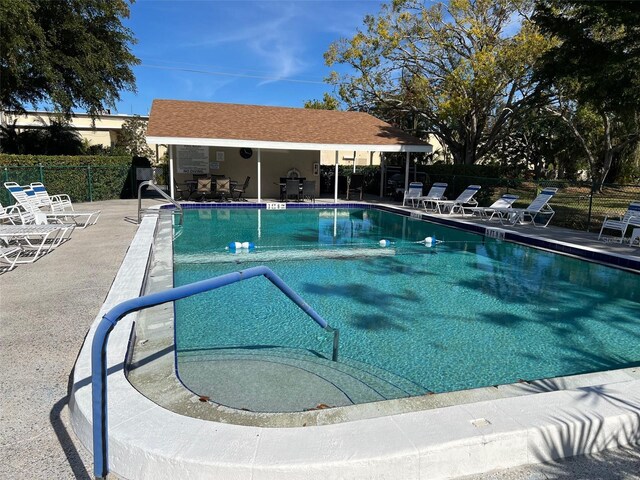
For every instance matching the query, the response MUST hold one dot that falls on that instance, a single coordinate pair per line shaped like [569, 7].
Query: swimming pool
[465, 313]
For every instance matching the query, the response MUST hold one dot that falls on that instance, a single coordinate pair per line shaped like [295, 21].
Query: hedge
[63, 160]
[83, 177]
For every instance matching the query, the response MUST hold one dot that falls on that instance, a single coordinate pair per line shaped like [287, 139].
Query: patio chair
[465, 198]
[487, 213]
[539, 207]
[240, 189]
[26, 198]
[436, 192]
[283, 188]
[292, 189]
[413, 194]
[355, 182]
[203, 190]
[181, 191]
[309, 190]
[223, 188]
[55, 203]
[630, 218]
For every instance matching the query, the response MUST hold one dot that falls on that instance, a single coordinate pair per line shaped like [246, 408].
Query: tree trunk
[608, 153]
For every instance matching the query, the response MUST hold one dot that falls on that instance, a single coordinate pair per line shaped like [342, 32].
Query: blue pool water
[468, 312]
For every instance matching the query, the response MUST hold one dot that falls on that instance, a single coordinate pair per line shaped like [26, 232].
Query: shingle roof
[178, 119]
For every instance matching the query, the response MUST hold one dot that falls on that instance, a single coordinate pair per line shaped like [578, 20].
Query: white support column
[259, 178]
[382, 175]
[335, 194]
[406, 174]
[172, 183]
[354, 161]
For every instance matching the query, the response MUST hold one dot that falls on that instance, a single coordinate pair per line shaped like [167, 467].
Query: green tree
[132, 138]
[453, 70]
[592, 75]
[328, 102]
[71, 53]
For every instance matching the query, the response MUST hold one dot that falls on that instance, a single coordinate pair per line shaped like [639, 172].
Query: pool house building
[265, 143]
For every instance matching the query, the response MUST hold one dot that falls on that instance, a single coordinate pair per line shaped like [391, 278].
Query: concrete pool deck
[40, 338]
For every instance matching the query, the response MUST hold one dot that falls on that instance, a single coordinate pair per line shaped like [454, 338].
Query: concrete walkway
[45, 311]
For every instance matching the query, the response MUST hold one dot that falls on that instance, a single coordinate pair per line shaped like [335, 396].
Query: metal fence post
[590, 206]
[41, 172]
[6, 174]
[132, 169]
[89, 183]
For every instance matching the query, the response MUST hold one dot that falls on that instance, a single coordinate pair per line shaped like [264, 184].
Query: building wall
[104, 132]
[274, 164]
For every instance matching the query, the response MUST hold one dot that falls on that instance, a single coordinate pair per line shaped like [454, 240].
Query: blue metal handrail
[113, 316]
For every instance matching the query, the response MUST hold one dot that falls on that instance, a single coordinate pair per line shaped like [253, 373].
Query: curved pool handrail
[113, 316]
[151, 183]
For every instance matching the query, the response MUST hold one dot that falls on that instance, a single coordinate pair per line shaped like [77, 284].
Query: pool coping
[438, 443]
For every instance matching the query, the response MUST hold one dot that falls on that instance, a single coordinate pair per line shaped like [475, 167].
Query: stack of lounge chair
[46, 209]
[36, 224]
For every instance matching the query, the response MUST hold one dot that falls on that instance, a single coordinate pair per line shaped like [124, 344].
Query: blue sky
[258, 52]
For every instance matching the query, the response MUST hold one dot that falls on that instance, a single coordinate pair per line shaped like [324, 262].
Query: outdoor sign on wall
[192, 159]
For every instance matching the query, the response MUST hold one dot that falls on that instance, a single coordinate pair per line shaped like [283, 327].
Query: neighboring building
[351, 158]
[103, 132]
[363, 159]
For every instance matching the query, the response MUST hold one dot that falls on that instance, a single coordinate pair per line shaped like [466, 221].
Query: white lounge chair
[465, 198]
[34, 240]
[28, 218]
[630, 218]
[26, 198]
[9, 257]
[413, 194]
[436, 192]
[10, 214]
[487, 213]
[55, 203]
[539, 206]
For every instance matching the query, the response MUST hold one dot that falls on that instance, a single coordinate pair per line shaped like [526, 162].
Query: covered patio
[220, 140]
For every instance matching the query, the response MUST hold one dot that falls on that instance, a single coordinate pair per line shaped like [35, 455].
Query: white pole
[171, 182]
[354, 161]
[406, 174]
[259, 178]
[382, 175]
[335, 194]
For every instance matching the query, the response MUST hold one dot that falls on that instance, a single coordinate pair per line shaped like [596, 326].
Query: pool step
[287, 380]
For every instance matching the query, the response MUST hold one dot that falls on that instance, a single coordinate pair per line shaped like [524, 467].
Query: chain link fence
[578, 205]
[83, 183]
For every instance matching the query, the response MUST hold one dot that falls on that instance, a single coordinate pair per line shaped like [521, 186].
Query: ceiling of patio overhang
[177, 122]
